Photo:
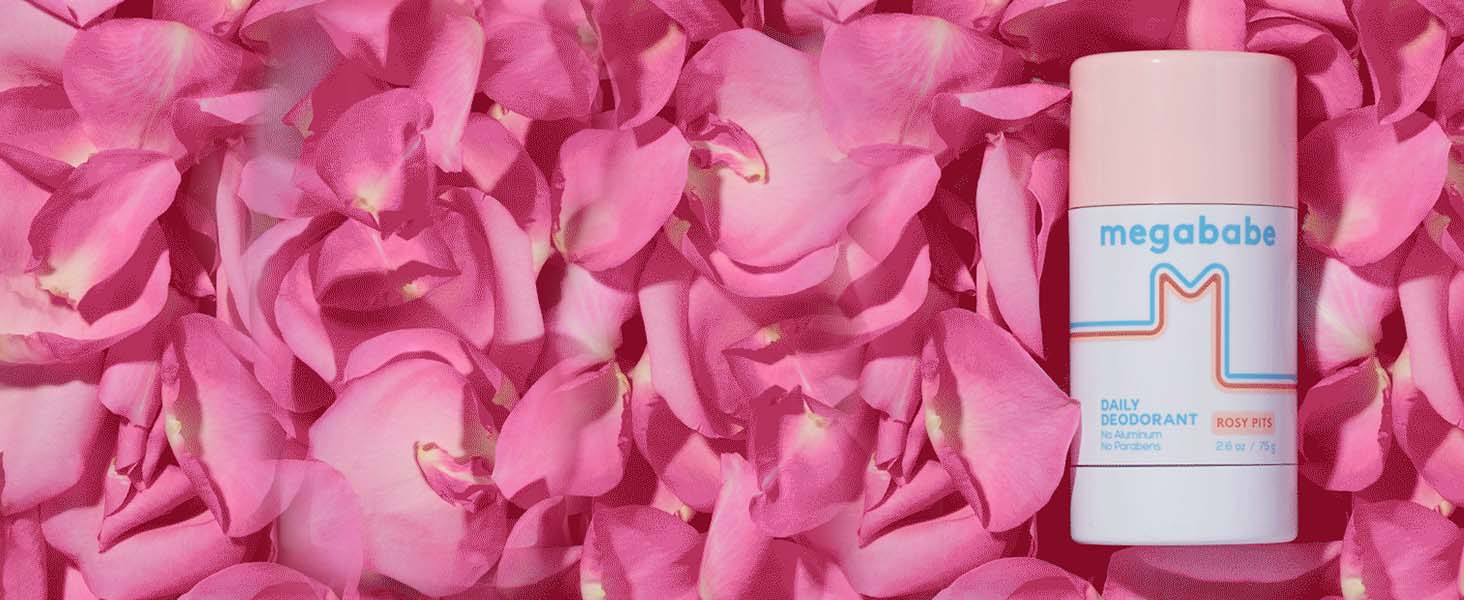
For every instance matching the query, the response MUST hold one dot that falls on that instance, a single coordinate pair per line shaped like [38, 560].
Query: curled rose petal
[643, 51]
[124, 77]
[259, 581]
[619, 188]
[1346, 427]
[1019, 578]
[809, 460]
[1398, 549]
[1404, 44]
[565, 437]
[638, 552]
[1267, 571]
[374, 161]
[1341, 319]
[1370, 184]
[871, 95]
[979, 410]
[372, 435]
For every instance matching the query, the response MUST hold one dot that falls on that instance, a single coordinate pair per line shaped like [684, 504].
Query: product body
[1182, 233]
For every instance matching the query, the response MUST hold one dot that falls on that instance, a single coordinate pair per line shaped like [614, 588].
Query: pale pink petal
[373, 435]
[1019, 578]
[979, 408]
[1269, 571]
[1342, 307]
[619, 188]
[1055, 33]
[920, 556]
[1210, 25]
[1346, 428]
[374, 161]
[702, 19]
[1431, 293]
[566, 436]
[1368, 185]
[1403, 44]
[1005, 214]
[809, 462]
[22, 556]
[872, 95]
[637, 553]
[320, 531]
[84, 234]
[1398, 549]
[584, 325]
[643, 50]
[1329, 84]
[258, 581]
[222, 425]
[125, 75]
[31, 52]
[1435, 447]
[51, 419]
[538, 67]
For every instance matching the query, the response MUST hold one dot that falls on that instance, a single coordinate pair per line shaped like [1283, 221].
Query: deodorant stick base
[1184, 505]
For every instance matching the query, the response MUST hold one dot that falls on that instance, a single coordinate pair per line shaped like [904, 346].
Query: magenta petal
[811, 16]
[1346, 429]
[1431, 293]
[259, 581]
[1343, 307]
[702, 19]
[219, 17]
[981, 15]
[643, 51]
[32, 52]
[1368, 185]
[124, 76]
[1044, 30]
[566, 436]
[1404, 44]
[1210, 25]
[638, 552]
[1398, 549]
[49, 420]
[22, 556]
[809, 460]
[1449, 94]
[40, 119]
[684, 460]
[1435, 447]
[1269, 571]
[871, 95]
[83, 234]
[619, 188]
[980, 411]
[1019, 578]
[374, 160]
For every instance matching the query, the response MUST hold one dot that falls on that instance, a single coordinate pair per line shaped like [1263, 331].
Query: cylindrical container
[1182, 231]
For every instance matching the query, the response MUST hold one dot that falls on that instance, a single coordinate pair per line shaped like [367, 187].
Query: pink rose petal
[809, 462]
[1397, 549]
[619, 188]
[1271, 571]
[258, 581]
[702, 19]
[643, 50]
[1019, 578]
[1343, 307]
[1329, 84]
[535, 64]
[374, 162]
[637, 552]
[1403, 44]
[1346, 427]
[684, 460]
[22, 556]
[979, 410]
[1368, 185]
[1210, 25]
[870, 95]
[1431, 293]
[31, 53]
[1435, 447]
[50, 421]
[1055, 33]
[566, 436]
[79, 12]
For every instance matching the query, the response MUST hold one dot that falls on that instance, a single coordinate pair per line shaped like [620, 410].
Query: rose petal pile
[465, 299]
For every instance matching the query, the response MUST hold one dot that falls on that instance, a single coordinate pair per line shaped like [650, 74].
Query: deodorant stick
[1182, 230]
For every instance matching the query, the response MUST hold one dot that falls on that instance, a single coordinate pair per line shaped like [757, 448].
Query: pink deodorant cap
[1183, 127]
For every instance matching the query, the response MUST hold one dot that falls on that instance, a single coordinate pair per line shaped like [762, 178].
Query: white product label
[1183, 334]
